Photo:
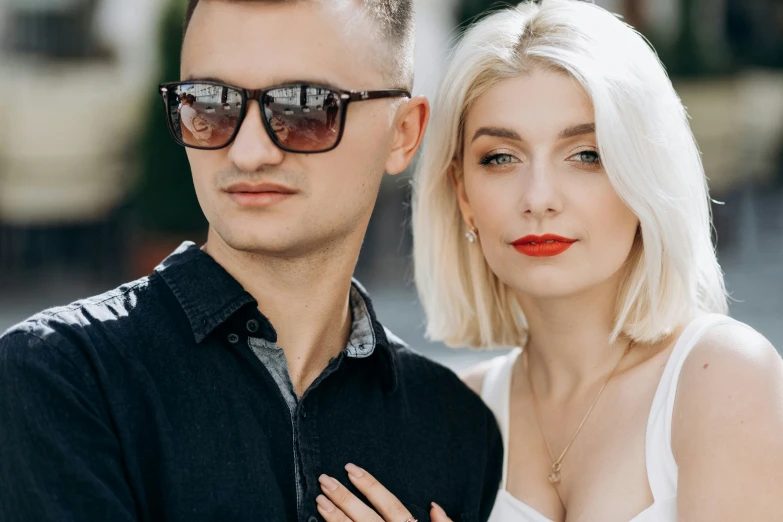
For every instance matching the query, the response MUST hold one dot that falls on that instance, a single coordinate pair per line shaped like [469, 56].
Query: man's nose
[253, 148]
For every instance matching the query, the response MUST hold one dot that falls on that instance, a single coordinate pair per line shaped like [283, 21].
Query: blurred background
[93, 192]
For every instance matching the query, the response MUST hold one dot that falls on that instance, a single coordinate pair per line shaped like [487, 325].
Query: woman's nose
[540, 196]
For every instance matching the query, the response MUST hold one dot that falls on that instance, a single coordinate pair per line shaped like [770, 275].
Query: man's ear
[411, 125]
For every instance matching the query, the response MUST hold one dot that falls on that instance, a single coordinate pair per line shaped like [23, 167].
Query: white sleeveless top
[661, 467]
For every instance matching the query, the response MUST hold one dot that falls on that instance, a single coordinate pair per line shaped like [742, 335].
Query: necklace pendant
[554, 477]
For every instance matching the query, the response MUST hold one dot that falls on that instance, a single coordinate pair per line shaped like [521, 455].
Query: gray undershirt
[361, 344]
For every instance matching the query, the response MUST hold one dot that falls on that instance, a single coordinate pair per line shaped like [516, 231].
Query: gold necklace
[554, 475]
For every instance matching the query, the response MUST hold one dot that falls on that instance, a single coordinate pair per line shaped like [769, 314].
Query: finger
[329, 511]
[346, 501]
[390, 508]
[438, 515]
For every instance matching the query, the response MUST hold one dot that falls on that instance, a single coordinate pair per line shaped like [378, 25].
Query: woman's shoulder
[725, 355]
[475, 375]
[733, 376]
[726, 426]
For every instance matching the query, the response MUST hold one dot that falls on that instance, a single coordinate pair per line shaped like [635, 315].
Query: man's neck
[306, 299]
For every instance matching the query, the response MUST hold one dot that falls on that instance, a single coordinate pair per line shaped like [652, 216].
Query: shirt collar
[365, 330]
[361, 343]
[210, 296]
[207, 293]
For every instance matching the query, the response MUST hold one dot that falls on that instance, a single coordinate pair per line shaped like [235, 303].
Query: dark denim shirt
[149, 403]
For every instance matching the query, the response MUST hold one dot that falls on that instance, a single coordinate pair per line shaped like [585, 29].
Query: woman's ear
[457, 180]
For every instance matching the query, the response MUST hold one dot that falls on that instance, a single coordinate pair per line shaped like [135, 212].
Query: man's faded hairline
[394, 19]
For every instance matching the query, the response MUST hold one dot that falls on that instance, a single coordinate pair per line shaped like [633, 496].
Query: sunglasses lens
[204, 115]
[304, 118]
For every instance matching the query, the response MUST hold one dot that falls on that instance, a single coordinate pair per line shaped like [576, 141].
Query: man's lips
[261, 188]
[548, 245]
[258, 195]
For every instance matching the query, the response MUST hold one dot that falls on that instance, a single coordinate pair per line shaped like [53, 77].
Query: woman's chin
[538, 293]
[539, 287]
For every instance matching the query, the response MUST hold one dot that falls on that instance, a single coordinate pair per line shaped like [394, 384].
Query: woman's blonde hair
[647, 149]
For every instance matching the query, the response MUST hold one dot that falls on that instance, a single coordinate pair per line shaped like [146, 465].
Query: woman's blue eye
[498, 159]
[588, 156]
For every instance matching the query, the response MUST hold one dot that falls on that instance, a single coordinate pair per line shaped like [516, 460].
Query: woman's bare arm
[727, 430]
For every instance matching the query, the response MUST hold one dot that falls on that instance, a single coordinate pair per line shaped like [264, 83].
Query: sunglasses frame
[346, 97]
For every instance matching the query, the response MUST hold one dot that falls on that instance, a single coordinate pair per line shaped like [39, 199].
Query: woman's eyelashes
[587, 158]
[497, 159]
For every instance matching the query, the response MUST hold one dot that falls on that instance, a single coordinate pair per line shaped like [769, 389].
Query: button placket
[252, 326]
[309, 443]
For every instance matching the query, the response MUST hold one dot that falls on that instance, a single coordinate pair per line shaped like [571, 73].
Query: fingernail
[435, 506]
[325, 504]
[354, 470]
[328, 482]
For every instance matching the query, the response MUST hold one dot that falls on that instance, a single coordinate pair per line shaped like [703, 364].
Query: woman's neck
[568, 344]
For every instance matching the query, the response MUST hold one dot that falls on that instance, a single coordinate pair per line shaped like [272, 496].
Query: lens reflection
[304, 118]
[204, 115]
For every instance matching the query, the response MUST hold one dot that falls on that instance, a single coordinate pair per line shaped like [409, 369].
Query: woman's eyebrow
[577, 130]
[502, 132]
[497, 132]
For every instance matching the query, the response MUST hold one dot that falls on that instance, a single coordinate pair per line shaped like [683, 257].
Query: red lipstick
[548, 245]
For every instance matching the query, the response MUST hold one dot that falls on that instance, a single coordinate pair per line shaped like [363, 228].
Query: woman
[561, 206]
[198, 126]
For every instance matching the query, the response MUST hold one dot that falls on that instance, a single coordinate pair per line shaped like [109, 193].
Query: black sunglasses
[298, 117]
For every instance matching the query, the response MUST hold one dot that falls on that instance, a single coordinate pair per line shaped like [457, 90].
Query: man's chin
[272, 244]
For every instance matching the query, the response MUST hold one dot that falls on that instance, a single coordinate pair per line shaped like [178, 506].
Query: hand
[343, 506]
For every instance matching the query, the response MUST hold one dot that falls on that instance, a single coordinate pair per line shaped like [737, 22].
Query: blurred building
[74, 76]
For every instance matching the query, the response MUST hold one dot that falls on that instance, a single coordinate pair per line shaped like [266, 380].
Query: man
[222, 386]
[332, 108]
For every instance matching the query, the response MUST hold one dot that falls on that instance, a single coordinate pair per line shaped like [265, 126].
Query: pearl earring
[471, 235]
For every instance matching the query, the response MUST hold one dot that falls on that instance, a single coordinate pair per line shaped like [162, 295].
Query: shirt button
[233, 338]
[252, 326]
[312, 519]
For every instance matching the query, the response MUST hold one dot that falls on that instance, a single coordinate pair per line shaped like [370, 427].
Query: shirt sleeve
[59, 458]
[494, 470]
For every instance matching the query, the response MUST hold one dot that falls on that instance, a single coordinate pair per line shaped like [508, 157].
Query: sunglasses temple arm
[375, 95]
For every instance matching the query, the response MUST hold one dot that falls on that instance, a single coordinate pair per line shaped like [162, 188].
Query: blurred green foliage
[166, 200]
[687, 56]
[752, 35]
[471, 10]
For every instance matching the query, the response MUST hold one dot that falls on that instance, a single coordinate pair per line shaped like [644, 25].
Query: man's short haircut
[395, 21]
